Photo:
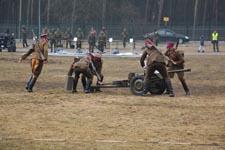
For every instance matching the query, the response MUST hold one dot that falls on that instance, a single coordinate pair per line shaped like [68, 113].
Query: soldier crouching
[88, 67]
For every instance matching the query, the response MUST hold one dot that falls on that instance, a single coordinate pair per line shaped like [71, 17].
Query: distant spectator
[156, 37]
[201, 47]
[215, 41]
[124, 35]
[24, 36]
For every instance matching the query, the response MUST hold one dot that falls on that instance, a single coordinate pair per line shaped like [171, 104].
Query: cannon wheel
[157, 85]
[136, 85]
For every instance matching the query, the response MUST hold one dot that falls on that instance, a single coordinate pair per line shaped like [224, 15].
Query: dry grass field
[51, 118]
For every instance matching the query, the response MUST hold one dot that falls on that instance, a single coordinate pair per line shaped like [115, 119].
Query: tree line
[113, 13]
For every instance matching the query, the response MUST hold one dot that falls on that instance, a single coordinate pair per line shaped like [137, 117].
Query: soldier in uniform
[68, 36]
[124, 35]
[177, 57]
[91, 41]
[79, 35]
[24, 36]
[156, 37]
[58, 36]
[155, 61]
[39, 57]
[83, 65]
[106, 33]
[101, 41]
[44, 30]
[75, 80]
[52, 40]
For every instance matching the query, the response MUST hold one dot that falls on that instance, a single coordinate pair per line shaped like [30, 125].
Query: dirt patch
[51, 118]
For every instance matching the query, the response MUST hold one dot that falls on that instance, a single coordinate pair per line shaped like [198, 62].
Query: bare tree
[103, 12]
[48, 11]
[73, 14]
[195, 17]
[28, 12]
[146, 11]
[161, 2]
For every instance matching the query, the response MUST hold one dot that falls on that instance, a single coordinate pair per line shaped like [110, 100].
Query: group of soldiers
[156, 60]
[92, 64]
[95, 40]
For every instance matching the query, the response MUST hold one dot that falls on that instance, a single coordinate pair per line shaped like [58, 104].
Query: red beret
[44, 36]
[148, 41]
[169, 44]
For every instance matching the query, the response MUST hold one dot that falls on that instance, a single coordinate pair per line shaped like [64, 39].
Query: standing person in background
[44, 31]
[52, 40]
[156, 37]
[68, 36]
[201, 47]
[106, 33]
[101, 41]
[39, 57]
[58, 37]
[79, 35]
[91, 41]
[124, 35]
[24, 36]
[215, 41]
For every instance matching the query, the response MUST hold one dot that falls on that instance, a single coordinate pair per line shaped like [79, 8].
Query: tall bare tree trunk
[28, 12]
[73, 15]
[48, 11]
[161, 2]
[103, 11]
[146, 11]
[204, 15]
[31, 12]
[216, 13]
[195, 17]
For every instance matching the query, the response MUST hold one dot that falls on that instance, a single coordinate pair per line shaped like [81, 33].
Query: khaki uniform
[79, 35]
[101, 41]
[155, 61]
[91, 42]
[36, 61]
[177, 56]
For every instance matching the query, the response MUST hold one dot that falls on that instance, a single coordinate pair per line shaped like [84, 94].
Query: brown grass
[51, 118]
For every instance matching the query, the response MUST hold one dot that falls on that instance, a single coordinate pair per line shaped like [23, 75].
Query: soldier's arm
[24, 56]
[142, 60]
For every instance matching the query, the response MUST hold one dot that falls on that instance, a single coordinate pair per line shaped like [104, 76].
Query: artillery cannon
[135, 83]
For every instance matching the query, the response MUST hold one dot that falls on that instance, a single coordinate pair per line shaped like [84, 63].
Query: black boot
[28, 82]
[169, 88]
[87, 87]
[31, 85]
[145, 90]
[75, 81]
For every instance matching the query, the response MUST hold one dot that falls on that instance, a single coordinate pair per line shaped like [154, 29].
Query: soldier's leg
[162, 69]
[149, 72]
[89, 76]
[75, 81]
[183, 82]
[83, 81]
[28, 82]
[36, 66]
